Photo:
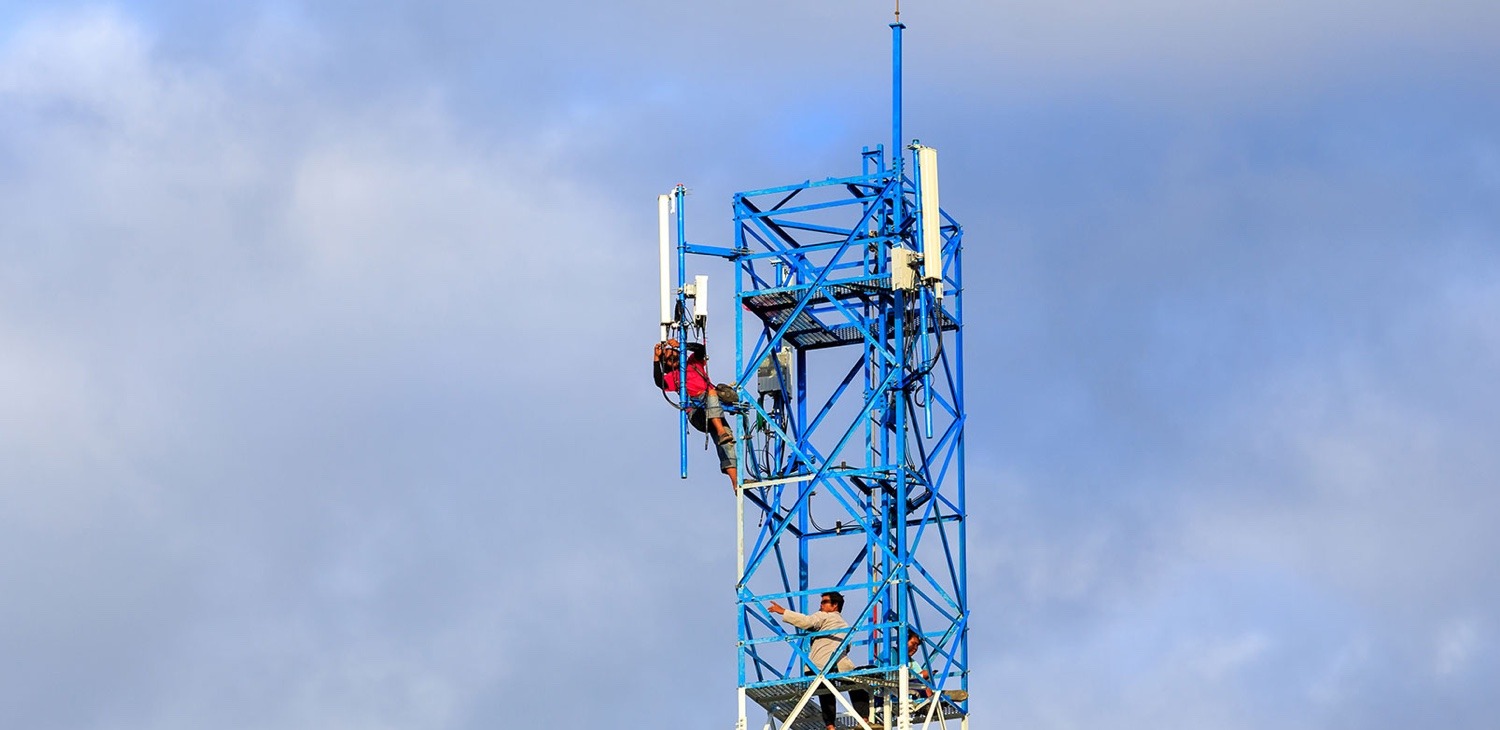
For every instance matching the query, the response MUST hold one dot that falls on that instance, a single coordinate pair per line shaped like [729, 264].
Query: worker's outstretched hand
[773, 608]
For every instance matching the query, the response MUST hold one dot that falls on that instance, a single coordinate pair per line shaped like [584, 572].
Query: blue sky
[323, 397]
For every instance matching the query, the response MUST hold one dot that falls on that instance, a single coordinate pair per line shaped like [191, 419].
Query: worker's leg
[728, 461]
[830, 706]
[715, 413]
[861, 701]
[723, 437]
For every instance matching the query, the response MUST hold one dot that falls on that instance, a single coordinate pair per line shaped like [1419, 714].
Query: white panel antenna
[664, 220]
[932, 219]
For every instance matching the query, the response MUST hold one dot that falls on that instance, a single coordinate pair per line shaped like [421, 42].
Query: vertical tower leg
[903, 700]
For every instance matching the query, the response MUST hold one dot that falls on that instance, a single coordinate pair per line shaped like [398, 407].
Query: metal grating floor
[810, 333]
[780, 699]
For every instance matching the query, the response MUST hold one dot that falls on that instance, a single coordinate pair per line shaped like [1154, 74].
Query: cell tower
[850, 431]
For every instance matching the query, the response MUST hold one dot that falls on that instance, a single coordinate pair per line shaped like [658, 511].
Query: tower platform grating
[809, 331]
[778, 700]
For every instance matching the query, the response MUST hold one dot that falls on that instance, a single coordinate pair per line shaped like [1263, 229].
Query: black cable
[936, 357]
[662, 371]
[810, 517]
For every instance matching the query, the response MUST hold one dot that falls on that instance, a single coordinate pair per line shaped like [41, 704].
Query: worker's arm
[800, 620]
[657, 366]
[656, 375]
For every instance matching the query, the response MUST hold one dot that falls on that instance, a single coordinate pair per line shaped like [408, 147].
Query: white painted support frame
[812, 689]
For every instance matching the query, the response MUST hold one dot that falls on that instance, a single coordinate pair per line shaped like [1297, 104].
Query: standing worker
[828, 617]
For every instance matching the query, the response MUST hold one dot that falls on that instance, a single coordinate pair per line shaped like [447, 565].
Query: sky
[324, 331]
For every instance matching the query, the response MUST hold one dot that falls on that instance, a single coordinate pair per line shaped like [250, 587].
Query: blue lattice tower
[849, 367]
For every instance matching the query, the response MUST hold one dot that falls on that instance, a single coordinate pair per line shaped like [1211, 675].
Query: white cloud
[259, 349]
[1195, 50]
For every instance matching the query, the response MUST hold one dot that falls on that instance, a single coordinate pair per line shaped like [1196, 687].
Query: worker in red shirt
[665, 370]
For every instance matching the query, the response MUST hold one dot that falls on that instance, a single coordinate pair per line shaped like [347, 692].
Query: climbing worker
[828, 617]
[666, 368]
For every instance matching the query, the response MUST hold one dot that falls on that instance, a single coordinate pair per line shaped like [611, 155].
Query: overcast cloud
[324, 330]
